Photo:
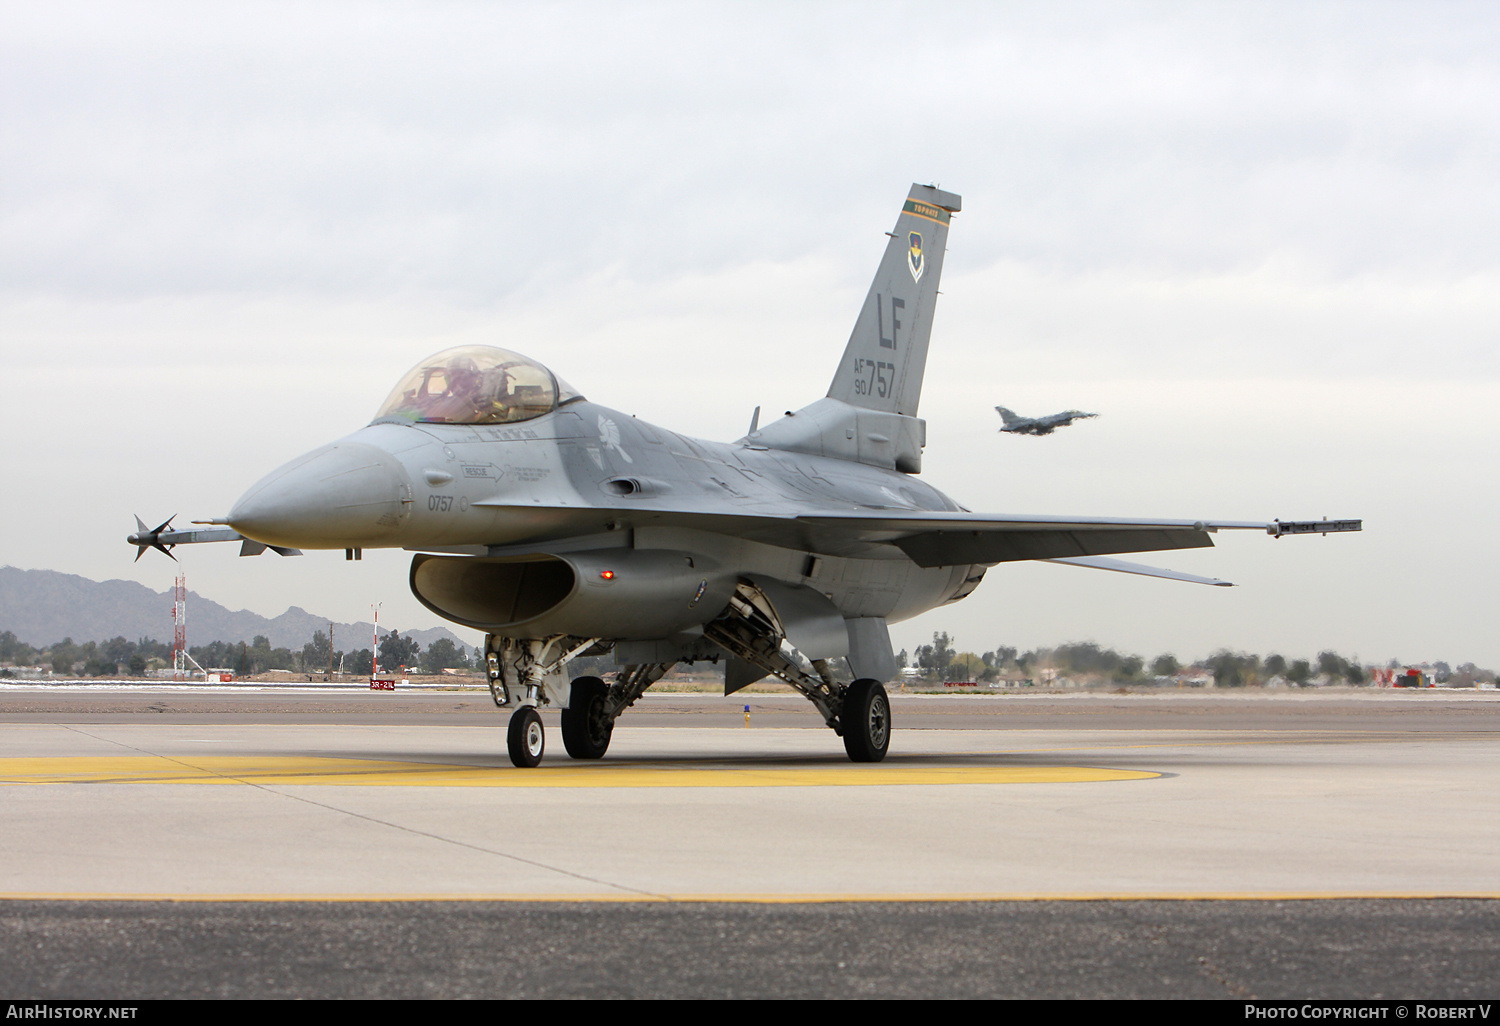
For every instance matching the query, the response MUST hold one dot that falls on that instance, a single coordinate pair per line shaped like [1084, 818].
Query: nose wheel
[525, 738]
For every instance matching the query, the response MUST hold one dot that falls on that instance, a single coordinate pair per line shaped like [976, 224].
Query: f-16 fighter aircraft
[1016, 424]
[561, 528]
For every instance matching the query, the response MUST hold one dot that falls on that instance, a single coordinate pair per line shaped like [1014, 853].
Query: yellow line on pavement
[615, 897]
[310, 770]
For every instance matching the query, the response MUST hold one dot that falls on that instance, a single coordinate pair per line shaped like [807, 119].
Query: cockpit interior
[475, 385]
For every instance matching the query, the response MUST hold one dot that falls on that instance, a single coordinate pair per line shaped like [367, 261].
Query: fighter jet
[562, 528]
[1016, 424]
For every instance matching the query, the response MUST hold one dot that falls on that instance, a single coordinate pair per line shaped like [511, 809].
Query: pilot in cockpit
[456, 394]
[475, 385]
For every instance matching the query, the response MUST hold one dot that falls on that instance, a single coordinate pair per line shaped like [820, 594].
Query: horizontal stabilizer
[1120, 566]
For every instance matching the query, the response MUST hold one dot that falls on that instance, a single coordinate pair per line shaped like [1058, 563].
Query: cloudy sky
[1260, 239]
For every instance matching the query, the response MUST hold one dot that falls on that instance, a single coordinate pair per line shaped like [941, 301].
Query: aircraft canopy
[476, 385]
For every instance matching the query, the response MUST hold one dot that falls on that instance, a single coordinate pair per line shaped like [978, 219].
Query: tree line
[121, 657]
[89, 658]
[941, 661]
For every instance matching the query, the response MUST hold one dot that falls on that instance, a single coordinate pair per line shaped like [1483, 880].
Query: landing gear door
[870, 648]
[558, 687]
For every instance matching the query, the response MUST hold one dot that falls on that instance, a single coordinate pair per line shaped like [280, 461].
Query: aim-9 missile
[163, 540]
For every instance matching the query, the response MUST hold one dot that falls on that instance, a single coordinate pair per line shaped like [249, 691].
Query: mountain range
[41, 607]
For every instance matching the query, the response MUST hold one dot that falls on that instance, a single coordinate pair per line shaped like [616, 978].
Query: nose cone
[341, 496]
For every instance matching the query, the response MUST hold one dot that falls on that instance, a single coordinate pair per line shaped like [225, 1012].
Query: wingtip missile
[1280, 528]
[164, 539]
[144, 538]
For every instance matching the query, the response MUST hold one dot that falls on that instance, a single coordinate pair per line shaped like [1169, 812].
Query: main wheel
[866, 719]
[525, 738]
[586, 728]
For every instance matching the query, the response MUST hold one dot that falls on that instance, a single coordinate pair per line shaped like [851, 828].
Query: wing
[1063, 419]
[949, 539]
[929, 539]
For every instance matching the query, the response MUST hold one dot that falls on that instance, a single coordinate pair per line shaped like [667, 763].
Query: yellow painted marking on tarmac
[288, 770]
[761, 898]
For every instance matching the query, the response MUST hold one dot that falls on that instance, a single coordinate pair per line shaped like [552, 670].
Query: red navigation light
[608, 575]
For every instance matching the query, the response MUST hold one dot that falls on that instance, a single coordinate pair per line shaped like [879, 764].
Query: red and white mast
[179, 629]
[375, 641]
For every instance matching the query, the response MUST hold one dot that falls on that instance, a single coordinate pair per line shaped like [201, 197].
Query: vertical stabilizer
[887, 353]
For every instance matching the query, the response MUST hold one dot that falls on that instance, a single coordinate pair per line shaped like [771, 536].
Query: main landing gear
[866, 719]
[859, 712]
[586, 723]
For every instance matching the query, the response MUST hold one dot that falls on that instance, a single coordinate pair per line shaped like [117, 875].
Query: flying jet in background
[1016, 424]
[563, 528]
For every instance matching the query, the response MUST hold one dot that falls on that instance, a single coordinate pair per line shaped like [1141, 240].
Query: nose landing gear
[526, 671]
[519, 671]
[525, 739]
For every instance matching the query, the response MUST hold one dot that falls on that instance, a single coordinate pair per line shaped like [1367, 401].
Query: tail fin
[887, 353]
[1006, 416]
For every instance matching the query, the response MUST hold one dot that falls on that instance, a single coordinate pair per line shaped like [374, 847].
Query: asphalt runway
[1215, 950]
[323, 843]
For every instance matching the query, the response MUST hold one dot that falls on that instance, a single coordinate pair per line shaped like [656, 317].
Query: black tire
[525, 738]
[866, 720]
[586, 730]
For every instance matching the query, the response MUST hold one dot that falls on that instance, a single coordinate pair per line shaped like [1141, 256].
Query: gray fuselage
[588, 479]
